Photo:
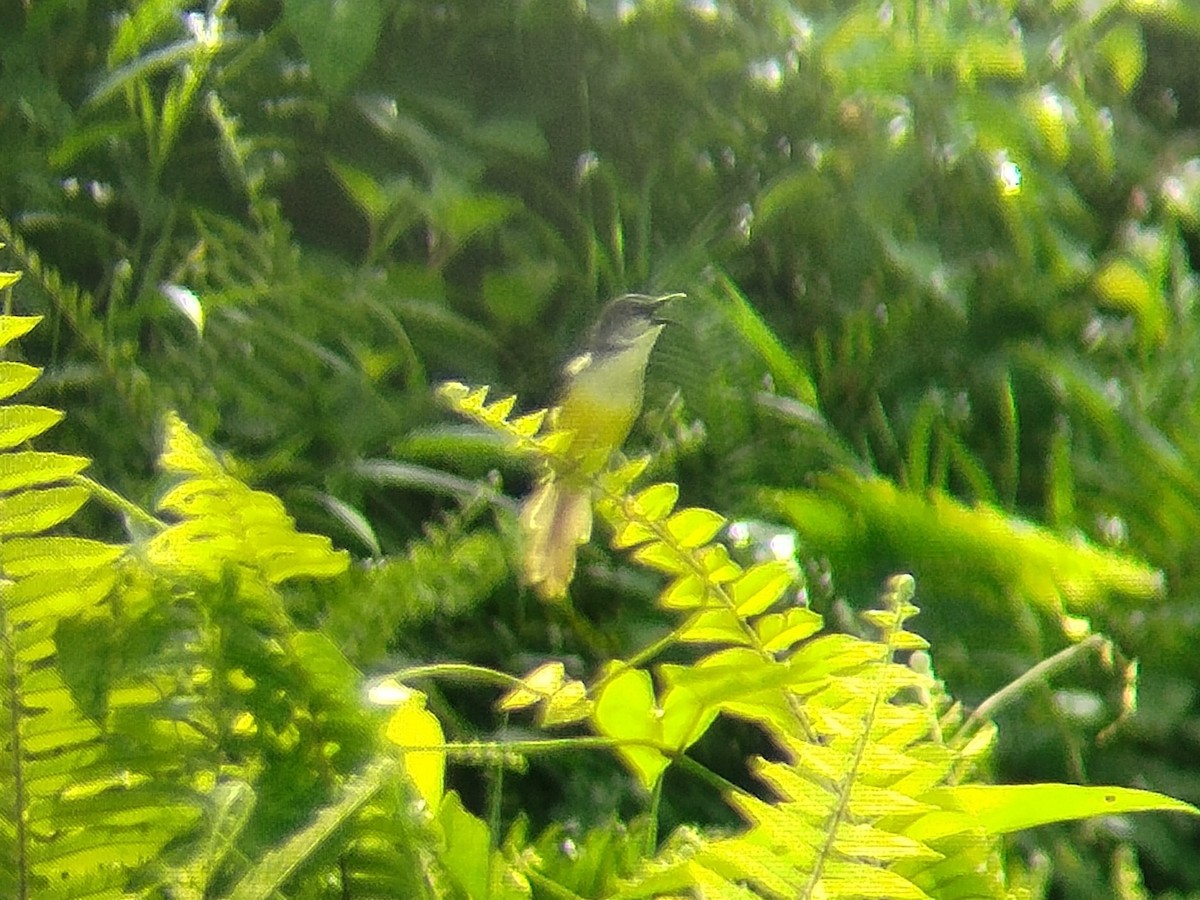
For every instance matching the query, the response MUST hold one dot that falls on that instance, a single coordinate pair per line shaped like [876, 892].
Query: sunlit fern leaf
[72, 821]
[224, 522]
[531, 434]
[859, 753]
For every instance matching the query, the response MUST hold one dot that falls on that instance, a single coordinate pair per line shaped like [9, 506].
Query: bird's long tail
[555, 520]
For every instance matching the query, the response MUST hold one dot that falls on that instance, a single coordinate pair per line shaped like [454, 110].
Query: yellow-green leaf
[569, 704]
[686, 592]
[474, 401]
[715, 626]
[46, 596]
[617, 480]
[26, 468]
[500, 410]
[662, 557]
[782, 631]
[13, 327]
[412, 727]
[19, 423]
[1125, 53]
[34, 511]
[760, 586]
[718, 567]
[627, 710]
[631, 534]
[685, 717]
[538, 685]
[656, 501]
[1126, 288]
[21, 557]
[530, 424]
[15, 376]
[694, 527]
[1002, 809]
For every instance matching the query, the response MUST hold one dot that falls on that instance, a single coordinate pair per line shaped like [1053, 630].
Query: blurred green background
[941, 266]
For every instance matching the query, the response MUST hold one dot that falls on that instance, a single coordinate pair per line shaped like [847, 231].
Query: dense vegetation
[941, 270]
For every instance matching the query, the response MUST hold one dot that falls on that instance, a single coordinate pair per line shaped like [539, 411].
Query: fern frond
[450, 570]
[1010, 558]
[532, 434]
[71, 820]
[224, 522]
[848, 803]
[74, 304]
[863, 802]
[274, 869]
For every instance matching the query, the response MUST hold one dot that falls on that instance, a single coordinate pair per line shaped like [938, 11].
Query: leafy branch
[872, 796]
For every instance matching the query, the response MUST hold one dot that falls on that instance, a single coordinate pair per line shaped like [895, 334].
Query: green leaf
[47, 596]
[34, 511]
[694, 527]
[686, 592]
[568, 705]
[685, 717]
[468, 847]
[463, 213]
[715, 626]
[1126, 288]
[128, 76]
[790, 378]
[760, 586]
[656, 501]
[413, 726]
[20, 423]
[662, 557]
[782, 631]
[717, 565]
[26, 468]
[15, 377]
[627, 710]
[1003, 809]
[21, 557]
[338, 37]
[13, 327]
[537, 686]
[631, 534]
[376, 200]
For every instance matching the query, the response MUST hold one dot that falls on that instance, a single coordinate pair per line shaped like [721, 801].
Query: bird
[601, 397]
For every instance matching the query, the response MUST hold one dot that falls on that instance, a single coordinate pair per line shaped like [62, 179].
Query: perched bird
[600, 400]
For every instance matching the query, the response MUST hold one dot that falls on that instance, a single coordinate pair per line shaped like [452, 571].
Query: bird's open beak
[663, 302]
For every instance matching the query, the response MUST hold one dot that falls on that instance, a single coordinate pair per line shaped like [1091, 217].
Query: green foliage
[452, 571]
[225, 751]
[159, 709]
[858, 521]
[56, 781]
[942, 320]
[874, 793]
